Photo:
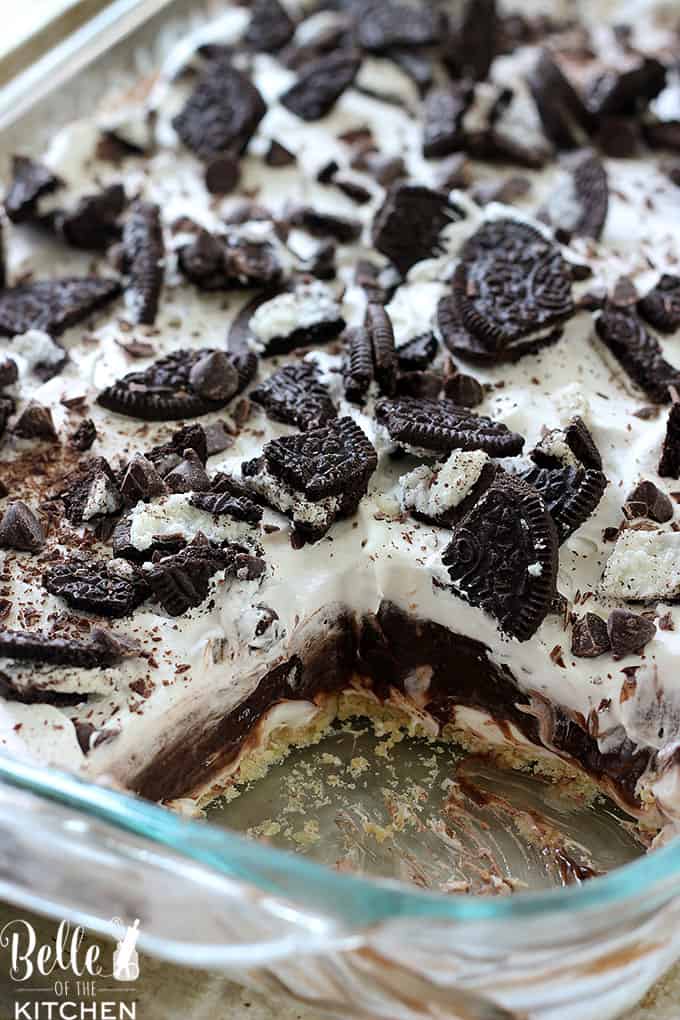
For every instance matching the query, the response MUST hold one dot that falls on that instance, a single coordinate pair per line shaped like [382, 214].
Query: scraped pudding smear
[340, 380]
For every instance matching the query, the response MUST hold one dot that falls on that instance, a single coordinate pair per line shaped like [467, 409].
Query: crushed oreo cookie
[639, 353]
[579, 207]
[439, 426]
[222, 113]
[295, 395]
[669, 463]
[660, 307]
[464, 390]
[308, 314]
[270, 27]
[571, 494]
[388, 23]
[30, 182]
[91, 493]
[95, 587]
[417, 353]
[36, 422]
[473, 39]
[566, 119]
[93, 223]
[408, 225]
[143, 254]
[181, 581]
[84, 436]
[140, 480]
[503, 556]
[444, 110]
[235, 505]
[188, 476]
[320, 84]
[163, 391]
[322, 224]
[100, 650]
[53, 305]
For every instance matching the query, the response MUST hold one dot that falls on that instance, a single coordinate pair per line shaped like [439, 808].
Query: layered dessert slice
[340, 377]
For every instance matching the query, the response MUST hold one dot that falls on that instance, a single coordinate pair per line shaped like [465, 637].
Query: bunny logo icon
[125, 958]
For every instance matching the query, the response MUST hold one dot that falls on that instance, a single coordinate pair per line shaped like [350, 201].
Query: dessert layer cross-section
[340, 374]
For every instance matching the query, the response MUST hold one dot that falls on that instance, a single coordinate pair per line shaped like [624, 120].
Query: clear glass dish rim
[357, 900]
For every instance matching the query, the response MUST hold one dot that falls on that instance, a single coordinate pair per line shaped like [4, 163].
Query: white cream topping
[308, 305]
[432, 490]
[644, 565]
[174, 514]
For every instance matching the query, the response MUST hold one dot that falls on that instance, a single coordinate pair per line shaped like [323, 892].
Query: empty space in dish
[428, 814]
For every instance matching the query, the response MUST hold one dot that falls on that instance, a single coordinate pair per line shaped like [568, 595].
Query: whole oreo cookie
[503, 556]
[637, 350]
[53, 305]
[440, 426]
[661, 306]
[511, 286]
[294, 395]
[320, 84]
[143, 252]
[407, 226]
[222, 113]
[164, 391]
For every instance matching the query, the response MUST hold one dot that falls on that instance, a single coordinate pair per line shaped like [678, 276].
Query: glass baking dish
[347, 945]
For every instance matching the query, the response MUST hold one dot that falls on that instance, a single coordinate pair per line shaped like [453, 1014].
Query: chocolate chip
[503, 556]
[35, 422]
[53, 305]
[320, 84]
[661, 305]
[222, 114]
[278, 155]
[84, 436]
[628, 632]
[440, 426]
[21, 529]
[407, 227]
[669, 464]
[295, 395]
[646, 500]
[141, 480]
[589, 637]
[214, 376]
[189, 475]
[464, 390]
[222, 174]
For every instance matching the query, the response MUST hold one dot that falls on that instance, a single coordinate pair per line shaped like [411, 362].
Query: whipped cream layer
[195, 669]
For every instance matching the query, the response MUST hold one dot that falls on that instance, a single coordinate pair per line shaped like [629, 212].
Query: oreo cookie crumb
[294, 395]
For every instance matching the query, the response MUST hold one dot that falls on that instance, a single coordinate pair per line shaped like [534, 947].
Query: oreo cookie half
[295, 395]
[638, 351]
[503, 556]
[166, 391]
[439, 426]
